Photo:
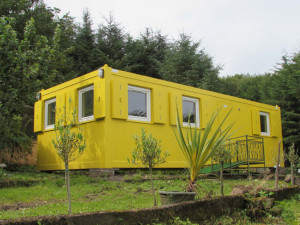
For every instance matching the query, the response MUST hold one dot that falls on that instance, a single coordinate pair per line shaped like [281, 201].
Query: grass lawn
[48, 197]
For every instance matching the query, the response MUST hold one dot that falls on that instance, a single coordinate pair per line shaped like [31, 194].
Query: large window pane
[50, 106]
[139, 104]
[188, 110]
[51, 113]
[88, 103]
[264, 123]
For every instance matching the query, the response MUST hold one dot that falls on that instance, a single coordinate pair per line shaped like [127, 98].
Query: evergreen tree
[85, 47]
[285, 92]
[243, 86]
[184, 63]
[111, 43]
[144, 55]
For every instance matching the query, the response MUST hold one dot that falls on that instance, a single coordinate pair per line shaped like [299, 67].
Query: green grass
[91, 195]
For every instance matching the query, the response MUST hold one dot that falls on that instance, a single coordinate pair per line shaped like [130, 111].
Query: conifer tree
[184, 63]
[111, 43]
[85, 46]
[144, 55]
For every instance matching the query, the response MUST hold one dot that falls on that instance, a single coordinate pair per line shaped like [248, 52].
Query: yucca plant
[198, 147]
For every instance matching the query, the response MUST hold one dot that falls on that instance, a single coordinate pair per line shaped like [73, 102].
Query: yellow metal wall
[109, 136]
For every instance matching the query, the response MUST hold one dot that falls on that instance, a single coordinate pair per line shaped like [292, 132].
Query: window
[264, 123]
[139, 107]
[50, 106]
[190, 108]
[86, 104]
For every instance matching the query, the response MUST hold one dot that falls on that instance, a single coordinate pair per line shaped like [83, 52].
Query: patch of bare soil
[24, 205]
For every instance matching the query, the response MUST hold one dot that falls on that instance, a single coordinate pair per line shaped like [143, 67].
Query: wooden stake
[277, 167]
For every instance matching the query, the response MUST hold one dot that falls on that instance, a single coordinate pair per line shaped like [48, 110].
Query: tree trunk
[152, 186]
[221, 179]
[277, 167]
[67, 173]
[292, 174]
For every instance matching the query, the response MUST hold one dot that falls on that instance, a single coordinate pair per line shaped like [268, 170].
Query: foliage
[293, 158]
[85, 46]
[148, 153]
[221, 156]
[111, 42]
[197, 148]
[285, 92]
[2, 173]
[69, 144]
[184, 63]
[144, 55]
[289, 209]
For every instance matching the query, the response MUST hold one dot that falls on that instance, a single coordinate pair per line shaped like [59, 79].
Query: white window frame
[80, 92]
[47, 103]
[148, 104]
[197, 116]
[267, 115]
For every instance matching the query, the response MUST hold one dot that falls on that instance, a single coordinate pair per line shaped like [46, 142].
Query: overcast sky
[245, 36]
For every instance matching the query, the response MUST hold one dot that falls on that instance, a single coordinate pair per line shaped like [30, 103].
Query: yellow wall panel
[275, 126]
[175, 102]
[255, 122]
[60, 106]
[99, 98]
[38, 116]
[71, 105]
[119, 98]
[160, 103]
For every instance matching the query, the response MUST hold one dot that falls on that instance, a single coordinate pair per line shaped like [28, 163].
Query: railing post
[248, 161]
[264, 158]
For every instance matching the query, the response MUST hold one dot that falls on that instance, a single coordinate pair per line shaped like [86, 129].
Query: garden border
[195, 211]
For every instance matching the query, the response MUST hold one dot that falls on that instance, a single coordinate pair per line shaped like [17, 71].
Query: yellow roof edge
[148, 79]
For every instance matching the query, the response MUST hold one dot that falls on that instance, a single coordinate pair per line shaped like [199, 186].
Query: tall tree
[184, 63]
[285, 92]
[85, 46]
[111, 43]
[144, 55]
[27, 66]
[23, 10]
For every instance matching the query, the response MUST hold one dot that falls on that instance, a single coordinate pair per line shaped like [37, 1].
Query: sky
[243, 36]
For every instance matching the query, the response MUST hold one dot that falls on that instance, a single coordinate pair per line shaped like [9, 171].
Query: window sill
[86, 119]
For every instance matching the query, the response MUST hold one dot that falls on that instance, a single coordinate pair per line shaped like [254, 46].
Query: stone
[3, 165]
[240, 190]
[101, 172]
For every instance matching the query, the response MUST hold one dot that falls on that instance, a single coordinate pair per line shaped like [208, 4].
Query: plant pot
[268, 203]
[172, 197]
[264, 202]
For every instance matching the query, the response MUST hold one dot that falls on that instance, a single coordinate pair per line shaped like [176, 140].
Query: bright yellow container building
[114, 105]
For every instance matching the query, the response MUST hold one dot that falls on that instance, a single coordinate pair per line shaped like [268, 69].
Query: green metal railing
[245, 150]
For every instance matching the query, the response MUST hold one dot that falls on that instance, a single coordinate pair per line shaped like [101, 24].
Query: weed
[289, 209]
[2, 173]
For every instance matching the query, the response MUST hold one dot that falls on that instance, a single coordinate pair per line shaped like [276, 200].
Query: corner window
[190, 109]
[50, 106]
[264, 123]
[139, 104]
[86, 104]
